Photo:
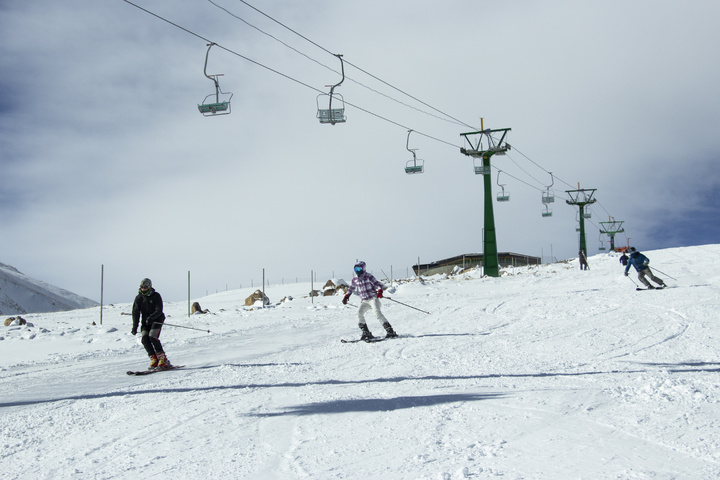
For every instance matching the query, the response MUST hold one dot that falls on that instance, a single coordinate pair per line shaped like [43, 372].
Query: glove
[380, 293]
[626, 274]
[646, 263]
[345, 299]
[134, 331]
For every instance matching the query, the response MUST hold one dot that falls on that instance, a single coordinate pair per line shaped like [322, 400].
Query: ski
[148, 372]
[370, 340]
[656, 288]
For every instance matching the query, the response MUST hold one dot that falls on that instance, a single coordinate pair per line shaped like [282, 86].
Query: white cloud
[107, 160]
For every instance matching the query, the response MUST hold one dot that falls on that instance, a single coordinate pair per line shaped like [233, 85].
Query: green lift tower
[610, 228]
[581, 197]
[482, 146]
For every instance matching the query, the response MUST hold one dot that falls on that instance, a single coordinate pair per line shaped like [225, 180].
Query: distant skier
[624, 259]
[148, 305]
[583, 260]
[640, 262]
[366, 283]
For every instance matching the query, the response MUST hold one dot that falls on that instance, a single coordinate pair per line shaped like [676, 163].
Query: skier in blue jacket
[366, 284]
[640, 262]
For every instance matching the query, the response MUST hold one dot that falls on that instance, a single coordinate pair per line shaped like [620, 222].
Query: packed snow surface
[548, 372]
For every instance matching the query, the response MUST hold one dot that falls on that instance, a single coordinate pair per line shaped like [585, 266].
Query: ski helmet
[359, 268]
[147, 282]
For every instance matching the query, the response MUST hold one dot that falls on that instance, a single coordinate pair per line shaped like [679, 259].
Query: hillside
[545, 373]
[20, 294]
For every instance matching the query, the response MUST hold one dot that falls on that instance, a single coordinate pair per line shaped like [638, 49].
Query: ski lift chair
[332, 115]
[480, 169]
[415, 165]
[217, 107]
[601, 247]
[502, 196]
[548, 196]
[221, 103]
[547, 212]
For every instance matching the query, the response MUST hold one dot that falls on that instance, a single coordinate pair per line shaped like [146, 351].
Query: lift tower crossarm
[493, 147]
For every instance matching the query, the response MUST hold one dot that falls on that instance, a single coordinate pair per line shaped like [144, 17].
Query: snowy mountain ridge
[20, 294]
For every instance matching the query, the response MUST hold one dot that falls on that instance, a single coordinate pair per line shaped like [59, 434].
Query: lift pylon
[581, 198]
[610, 228]
[483, 145]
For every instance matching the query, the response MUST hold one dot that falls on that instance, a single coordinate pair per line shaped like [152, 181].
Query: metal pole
[312, 289]
[181, 326]
[188, 293]
[490, 253]
[583, 247]
[409, 306]
[663, 273]
[102, 274]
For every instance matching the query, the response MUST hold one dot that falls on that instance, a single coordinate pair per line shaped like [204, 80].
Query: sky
[109, 171]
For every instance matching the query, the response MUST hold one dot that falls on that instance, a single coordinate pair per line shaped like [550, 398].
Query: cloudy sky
[105, 159]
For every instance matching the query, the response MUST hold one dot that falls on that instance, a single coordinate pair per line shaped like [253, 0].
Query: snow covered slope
[545, 373]
[21, 294]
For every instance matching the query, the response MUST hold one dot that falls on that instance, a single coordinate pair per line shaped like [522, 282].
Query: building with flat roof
[471, 260]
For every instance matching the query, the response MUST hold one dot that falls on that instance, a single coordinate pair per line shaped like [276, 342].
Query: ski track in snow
[545, 373]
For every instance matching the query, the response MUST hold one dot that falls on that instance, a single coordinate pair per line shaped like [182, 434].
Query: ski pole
[409, 306]
[181, 326]
[663, 273]
[633, 281]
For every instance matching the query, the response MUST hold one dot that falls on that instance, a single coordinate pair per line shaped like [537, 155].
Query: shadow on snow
[696, 367]
[376, 404]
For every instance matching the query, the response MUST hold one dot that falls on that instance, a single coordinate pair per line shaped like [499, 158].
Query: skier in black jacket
[148, 306]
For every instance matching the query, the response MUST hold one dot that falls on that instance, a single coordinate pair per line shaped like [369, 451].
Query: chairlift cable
[348, 103]
[460, 122]
[315, 89]
[380, 93]
[222, 47]
[525, 171]
[541, 168]
[326, 66]
[282, 74]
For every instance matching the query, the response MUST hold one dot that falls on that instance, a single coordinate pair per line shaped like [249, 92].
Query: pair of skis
[369, 340]
[656, 288]
[155, 370]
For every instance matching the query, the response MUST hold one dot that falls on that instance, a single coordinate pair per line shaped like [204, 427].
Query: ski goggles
[358, 269]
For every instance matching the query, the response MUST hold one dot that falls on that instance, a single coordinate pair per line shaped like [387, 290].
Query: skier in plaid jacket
[370, 291]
